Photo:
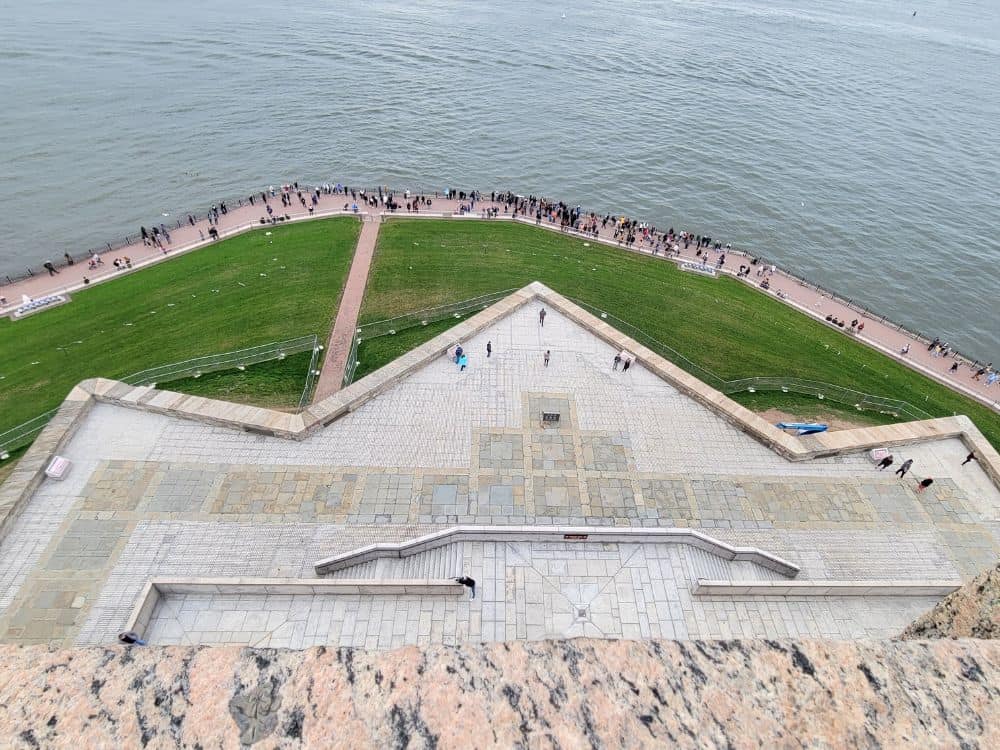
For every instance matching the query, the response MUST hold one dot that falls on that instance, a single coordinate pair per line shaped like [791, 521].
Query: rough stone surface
[577, 693]
[971, 612]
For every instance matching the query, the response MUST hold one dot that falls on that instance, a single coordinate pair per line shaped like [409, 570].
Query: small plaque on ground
[550, 417]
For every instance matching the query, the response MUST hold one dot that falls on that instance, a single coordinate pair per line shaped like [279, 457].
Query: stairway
[441, 562]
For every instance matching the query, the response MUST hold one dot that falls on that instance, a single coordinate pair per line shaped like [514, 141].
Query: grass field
[271, 284]
[720, 324]
[276, 384]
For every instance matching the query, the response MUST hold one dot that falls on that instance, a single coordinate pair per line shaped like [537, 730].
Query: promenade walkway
[342, 336]
[883, 336]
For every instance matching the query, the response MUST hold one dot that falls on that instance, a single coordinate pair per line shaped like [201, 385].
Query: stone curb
[159, 588]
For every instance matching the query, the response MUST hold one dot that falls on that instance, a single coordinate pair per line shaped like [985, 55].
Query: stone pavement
[151, 495]
[535, 591]
[342, 336]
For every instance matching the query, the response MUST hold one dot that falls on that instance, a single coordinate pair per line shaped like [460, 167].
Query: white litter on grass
[170, 304]
[274, 259]
[241, 283]
[263, 274]
[194, 295]
[216, 291]
[586, 244]
[36, 363]
[152, 312]
[128, 324]
[267, 234]
[282, 268]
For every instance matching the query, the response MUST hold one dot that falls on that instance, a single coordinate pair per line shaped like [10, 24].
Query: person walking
[887, 461]
[541, 317]
[615, 362]
[971, 457]
[545, 359]
[489, 349]
[462, 362]
[904, 468]
[47, 265]
[924, 484]
[626, 364]
[469, 583]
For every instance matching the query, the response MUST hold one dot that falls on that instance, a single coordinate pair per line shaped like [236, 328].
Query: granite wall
[971, 612]
[567, 694]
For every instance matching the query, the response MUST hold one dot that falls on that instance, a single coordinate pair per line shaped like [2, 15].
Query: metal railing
[820, 390]
[352, 362]
[823, 391]
[24, 433]
[426, 316]
[198, 366]
[312, 376]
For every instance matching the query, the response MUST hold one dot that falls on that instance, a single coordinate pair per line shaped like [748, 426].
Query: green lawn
[271, 284]
[721, 324]
[276, 384]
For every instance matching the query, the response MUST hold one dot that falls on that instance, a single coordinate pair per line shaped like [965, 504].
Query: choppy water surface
[847, 139]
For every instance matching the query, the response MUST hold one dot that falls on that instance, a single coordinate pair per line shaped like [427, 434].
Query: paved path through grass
[339, 347]
[882, 336]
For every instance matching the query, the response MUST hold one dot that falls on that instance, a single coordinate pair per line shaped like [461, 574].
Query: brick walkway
[339, 346]
[883, 337]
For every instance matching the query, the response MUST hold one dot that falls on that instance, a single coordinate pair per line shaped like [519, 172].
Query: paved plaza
[155, 496]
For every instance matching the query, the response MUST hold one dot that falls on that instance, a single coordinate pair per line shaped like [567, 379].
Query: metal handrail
[389, 326]
[821, 390]
[25, 432]
[430, 314]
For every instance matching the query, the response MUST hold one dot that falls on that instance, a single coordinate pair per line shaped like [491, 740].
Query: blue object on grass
[802, 428]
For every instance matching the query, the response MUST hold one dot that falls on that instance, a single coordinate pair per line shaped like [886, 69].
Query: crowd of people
[625, 231]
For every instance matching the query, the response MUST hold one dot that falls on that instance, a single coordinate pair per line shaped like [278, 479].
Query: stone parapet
[566, 693]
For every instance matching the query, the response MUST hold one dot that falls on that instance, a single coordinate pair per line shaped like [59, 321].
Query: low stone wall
[705, 587]
[579, 693]
[565, 534]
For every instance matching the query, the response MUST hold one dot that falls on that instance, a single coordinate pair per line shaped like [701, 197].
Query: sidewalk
[881, 336]
[342, 336]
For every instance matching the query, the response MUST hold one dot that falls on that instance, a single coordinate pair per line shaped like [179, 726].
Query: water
[846, 139]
